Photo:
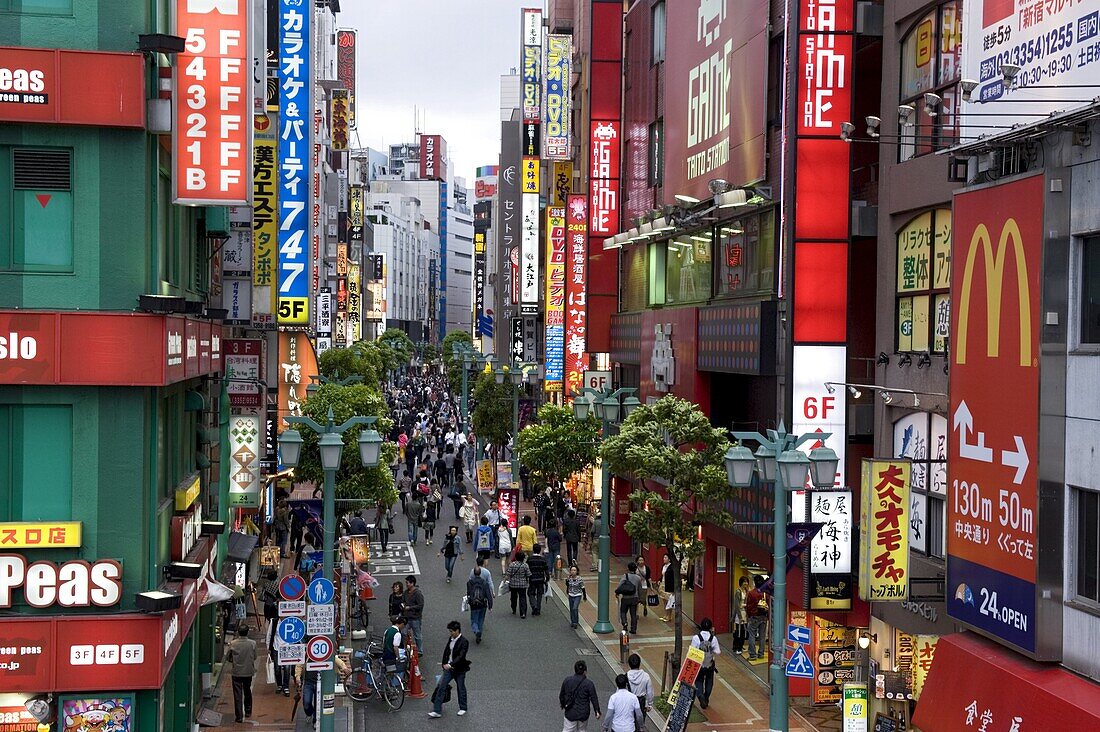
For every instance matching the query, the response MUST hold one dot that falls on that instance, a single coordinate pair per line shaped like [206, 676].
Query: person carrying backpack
[484, 539]
[479, 595]
[706, 641]
[629, 593]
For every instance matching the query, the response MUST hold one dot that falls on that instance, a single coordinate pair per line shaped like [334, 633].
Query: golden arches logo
[994, 261]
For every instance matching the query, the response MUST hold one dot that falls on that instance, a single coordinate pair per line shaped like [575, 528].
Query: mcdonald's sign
[992, 505]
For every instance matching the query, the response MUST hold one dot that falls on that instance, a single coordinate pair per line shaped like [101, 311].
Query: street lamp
[606, 406]
[331, 449]
[781, 462]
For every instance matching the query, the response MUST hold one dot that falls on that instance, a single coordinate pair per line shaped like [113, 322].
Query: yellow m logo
[994, 261]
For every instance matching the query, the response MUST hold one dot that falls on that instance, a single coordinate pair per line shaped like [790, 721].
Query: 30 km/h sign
[292, 587]
[320, 648]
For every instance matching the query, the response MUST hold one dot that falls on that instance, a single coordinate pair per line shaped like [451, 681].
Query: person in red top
[756, 607]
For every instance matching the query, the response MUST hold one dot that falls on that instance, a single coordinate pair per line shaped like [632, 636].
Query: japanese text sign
[345, 68]
[529, 250]
[576, 288]
[295, 160]
[555, 298]
[831, 549]
[825, 66]
[884, 531]
[39, 534]
[603, 208]
[530, 62]
[557, 99]
[212, 134]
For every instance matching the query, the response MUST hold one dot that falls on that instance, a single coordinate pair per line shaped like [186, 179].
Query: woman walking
[468, 513]
[504, 544]
[574, 589]
[518, 577]
[451, 550]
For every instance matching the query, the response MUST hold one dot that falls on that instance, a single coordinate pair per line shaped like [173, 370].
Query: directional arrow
[964, 422]
[1016, 459]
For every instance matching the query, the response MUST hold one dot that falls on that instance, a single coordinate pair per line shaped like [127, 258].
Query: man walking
[571, 533]
[525, 536]
[414, 510]
[455, 666]
[707, 642]
[756, 607]
[518, 576]
[629, 592]
[540, 575]
[414, 611]
[242, 655]
[479, 595]
[578, 699]
[493, 514]
[451, 551]
[624, 714]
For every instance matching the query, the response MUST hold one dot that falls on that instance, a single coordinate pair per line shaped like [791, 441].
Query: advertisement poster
[884, 531]
[557, 98]
[359, 546]
[531, 62]
[345, 67]
[508, 498]
[485, 476]
[244, 371]
[529, 252]
[555, 298]
[689, 670]
[576, 288]
[855, 708]
[85, 715]
[297, 362]
[835, 651]
[993, 495]
[244, 471]
[603, 197]
[265, 225]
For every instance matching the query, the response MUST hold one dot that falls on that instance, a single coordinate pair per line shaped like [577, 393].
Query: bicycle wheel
[393, 691]
[357, 686]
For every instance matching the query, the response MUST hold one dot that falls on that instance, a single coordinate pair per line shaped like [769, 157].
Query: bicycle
[371, 674]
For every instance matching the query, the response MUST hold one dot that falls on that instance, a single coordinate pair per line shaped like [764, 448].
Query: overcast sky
[441, 58]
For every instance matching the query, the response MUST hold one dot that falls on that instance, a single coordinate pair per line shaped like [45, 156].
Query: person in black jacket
[571, 532]
[540, 575]
[578, 699]
[455, 666]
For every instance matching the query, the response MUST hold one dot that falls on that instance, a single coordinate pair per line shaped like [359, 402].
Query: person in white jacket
[641, 685]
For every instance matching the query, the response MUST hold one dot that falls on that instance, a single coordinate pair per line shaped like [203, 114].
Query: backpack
[704, 645]
[626, 587]
[476, 595]
[484, 541]
[423, 488]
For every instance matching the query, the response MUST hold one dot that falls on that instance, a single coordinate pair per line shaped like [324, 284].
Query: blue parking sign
[291, 630]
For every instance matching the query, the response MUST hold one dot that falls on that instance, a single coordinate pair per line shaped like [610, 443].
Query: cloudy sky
[443, 59]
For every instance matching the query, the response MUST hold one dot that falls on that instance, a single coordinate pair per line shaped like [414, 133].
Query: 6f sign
[993, 501]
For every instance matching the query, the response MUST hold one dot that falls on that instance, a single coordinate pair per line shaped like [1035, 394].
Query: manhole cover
[588, 651]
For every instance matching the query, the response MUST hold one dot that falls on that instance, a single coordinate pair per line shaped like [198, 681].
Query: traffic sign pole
[328, 676]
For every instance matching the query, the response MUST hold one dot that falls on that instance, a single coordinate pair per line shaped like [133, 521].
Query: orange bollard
[416, 681]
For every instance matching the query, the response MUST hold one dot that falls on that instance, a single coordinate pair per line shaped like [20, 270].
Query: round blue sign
[291, 630]
[321, 591]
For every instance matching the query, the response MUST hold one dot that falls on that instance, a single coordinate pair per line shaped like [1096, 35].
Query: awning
[972, 679]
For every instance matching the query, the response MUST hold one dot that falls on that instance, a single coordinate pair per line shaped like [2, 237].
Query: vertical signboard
[831, 550]
[442, 303]
[245, 431]
[324, 313]
[531, 63]
[529, 254]
[355, 303]
[213, 103]
[715, 128]
[606, 147]
[510, 207]
[480, 230]
[244, 372]
[576, 293]
[297, 362]
[485, 185]
[516, 341]
[884, 531]
[345, 68]
[355, 214]
[339, 119]
[555, 298]
[265, 226]
[557, 98]
[993, 496]
[433, 157]
[295, 160]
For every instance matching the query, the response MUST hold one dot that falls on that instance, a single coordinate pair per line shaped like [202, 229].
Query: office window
[45, 7]
[930, 62]
[1090, 290]
[922, 437]
[746, 255]
[687, 267]
[1086, 574]
[658, 26]
[924, 282]
[38, 482]
[36, 209]
[655, 165]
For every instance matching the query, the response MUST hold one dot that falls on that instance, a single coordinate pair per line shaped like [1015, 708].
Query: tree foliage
[365, 362]
[675, 457]
[400, 347]
[353, 481]
[492, 412]
[453, 363]
[558, 445]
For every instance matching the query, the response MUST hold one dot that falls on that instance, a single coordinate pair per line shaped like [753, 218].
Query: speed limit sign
[319, 651]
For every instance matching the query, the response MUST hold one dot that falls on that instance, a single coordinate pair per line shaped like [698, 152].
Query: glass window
[1090, 290]
[46, 7]
[923, 283]
[633, 287]
[1086, 573]
[657, 258]
[658, 47]
[930, 62]
[746, 252]
[922, 437]
[687, 267]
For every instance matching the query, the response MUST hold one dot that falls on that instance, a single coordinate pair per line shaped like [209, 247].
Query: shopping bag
[652, 600]
[270, 671]
[465, 606]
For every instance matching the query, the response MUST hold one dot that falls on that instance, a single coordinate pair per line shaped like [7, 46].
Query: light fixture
[856, 393]
[1010, 72]
[516, 377]
[331, 447]
[740, 463]
[866, 639]
[160, 43]
[662, 224]
[370, 447]
[212, 528]
[686, 199]
[629, 405]
[968, 87]
[916, 401]
[182, 570]
[290, 448]
[905, 114]
[905, 360]
[886, 398]
[608, 409]
[157, 601]
[766, 463]
[873, 123]
[883, 359]
[932, 103]
[794, 467]
[38, 706]
[830, 388]
[924, 360]
[646, 228]
[499, 375]
[731, 199]
[847, 129]
[719, 185]
[582, 405]
[823, 466]
[703, 238]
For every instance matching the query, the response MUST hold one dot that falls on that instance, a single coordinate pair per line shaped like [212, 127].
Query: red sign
[345, 68]
[433, 157]
[992, 507]
[605, 146]
[715, 127]
[508, 499]
[825, 65]
[17, 719]
[213, 101]
[105, 349]
[576, 303]
[72, 87]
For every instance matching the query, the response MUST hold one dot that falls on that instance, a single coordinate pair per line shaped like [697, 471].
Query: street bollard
[624, 646]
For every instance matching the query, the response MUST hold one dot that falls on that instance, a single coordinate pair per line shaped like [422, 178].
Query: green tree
[431, 353]
[492, 413]
[558, 445]
[400, 346]
[452, 362]
[340, 363]
[675, 457]
[353, 481]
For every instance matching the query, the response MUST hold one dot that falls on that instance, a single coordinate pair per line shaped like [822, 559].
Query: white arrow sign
[964, 423]
[1016, 459]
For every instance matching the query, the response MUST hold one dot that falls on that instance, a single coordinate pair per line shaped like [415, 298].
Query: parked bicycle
[370, 675]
